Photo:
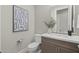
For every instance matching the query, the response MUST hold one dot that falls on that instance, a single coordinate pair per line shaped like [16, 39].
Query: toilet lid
[33, 45]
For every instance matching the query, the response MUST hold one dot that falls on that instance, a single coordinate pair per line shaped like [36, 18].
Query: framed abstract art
[20, 19]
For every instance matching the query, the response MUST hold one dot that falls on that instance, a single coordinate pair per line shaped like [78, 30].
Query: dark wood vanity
[51, 45]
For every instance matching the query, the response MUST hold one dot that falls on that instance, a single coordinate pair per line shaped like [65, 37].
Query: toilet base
[38, 51]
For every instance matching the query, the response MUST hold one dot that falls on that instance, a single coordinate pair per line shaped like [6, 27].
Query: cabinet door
[49, 48]
[56, 46]
[65, 50]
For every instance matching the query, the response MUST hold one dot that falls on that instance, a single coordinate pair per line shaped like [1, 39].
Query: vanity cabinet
[50, 45]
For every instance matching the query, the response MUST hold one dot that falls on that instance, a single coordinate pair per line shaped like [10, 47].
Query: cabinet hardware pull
[78, 46]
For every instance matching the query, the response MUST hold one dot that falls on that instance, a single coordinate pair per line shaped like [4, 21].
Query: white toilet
[33, 47]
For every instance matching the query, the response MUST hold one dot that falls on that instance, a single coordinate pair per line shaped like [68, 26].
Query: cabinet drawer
[65, 50]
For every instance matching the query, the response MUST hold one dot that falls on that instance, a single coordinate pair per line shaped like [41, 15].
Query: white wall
[0, 28]
[8, 37]
[42, 13]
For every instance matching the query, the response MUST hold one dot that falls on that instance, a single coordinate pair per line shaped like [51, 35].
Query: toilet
[33, 47]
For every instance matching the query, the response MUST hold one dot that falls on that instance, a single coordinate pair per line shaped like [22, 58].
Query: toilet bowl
[33, 47]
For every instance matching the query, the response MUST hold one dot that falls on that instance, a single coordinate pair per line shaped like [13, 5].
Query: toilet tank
[38, 38]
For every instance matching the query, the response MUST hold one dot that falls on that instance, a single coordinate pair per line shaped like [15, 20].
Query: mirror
[66, 18]
[63, 18]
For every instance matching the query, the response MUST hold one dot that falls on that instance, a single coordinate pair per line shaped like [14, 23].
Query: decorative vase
[49, 30]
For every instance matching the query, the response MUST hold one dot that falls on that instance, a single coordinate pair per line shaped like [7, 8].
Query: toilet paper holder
[19, 41]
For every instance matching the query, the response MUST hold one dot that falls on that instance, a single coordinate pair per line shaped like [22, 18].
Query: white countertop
[63, 37]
